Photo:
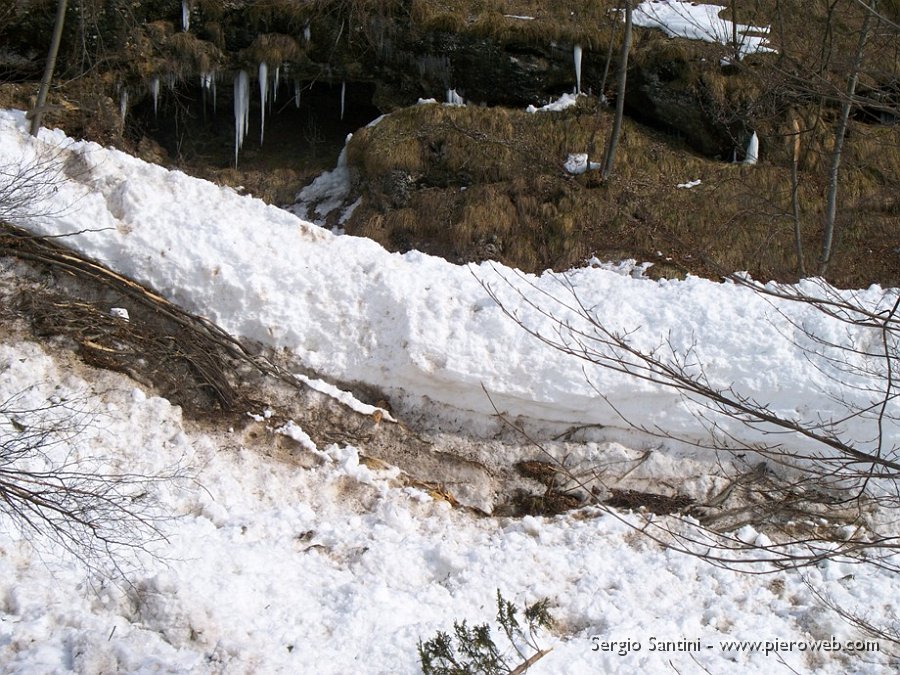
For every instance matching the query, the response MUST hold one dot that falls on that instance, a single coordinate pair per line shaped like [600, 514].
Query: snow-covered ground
[274, 568]
[271, 568]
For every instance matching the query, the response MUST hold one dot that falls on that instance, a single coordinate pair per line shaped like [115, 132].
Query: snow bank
[696, 21]
[413, 324]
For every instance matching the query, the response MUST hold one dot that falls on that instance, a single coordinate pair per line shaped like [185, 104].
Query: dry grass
[586, 22]
[273, 48]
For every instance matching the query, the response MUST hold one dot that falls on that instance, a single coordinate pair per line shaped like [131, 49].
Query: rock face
[659, 102]
[482, 70]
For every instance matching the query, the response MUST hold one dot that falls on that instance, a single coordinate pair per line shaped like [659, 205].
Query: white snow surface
[416, 326]
[697, 21]
[270, 568]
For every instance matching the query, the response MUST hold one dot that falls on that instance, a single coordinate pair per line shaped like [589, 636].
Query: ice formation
[263, 96]
[454, 99]
[297, 93]
[752, 155]
[275, 85]
[307, 33]
[154, 93]
[343, 98]
[186, 15]
[208, 82]
[577, 56]
[241, 110]
[123, 103]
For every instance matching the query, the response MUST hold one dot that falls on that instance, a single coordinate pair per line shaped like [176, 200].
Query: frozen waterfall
[752, 155]
[263, 97]
[154, 94]
[577, 56]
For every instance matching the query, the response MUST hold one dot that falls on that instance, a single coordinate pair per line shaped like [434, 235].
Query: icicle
[185, 15]
[154, 93]
[752, 154]
[208, 83]
[307, 33]
[297, 93]
[123, 104]
[275, 85]
[577, 56]
[263, 95]
[241, 110]
[343, 97]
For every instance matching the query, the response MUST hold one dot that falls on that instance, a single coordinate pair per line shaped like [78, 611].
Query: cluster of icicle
[241, 90]
[266, 99]
[453, 98]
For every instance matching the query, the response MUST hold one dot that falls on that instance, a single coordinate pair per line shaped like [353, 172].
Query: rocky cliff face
[381, 44]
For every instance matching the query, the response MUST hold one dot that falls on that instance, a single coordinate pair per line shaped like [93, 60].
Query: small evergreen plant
[476, 653]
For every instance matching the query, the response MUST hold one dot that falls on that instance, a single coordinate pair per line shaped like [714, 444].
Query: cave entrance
[299, 143]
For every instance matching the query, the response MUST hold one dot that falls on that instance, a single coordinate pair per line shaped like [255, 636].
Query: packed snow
[339, 568]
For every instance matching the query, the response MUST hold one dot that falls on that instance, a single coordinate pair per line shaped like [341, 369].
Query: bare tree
[815, 487]
[810, 455]
[56, 492]
[24, 185]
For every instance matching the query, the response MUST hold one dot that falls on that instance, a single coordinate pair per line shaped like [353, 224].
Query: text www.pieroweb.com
[654, 644]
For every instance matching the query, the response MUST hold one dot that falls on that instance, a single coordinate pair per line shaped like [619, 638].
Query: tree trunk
[41, 102]
[734, 31]
[840, 132]
[610, 154]
[795, 199]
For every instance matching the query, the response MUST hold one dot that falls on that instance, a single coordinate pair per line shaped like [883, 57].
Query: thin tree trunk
[795, 199]
[592, 146]
[840, 132]
[41, 102]
[610, 154]
[734, 31]
[609, 50]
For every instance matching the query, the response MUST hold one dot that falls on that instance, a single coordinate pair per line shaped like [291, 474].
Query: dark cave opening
[194, 133]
